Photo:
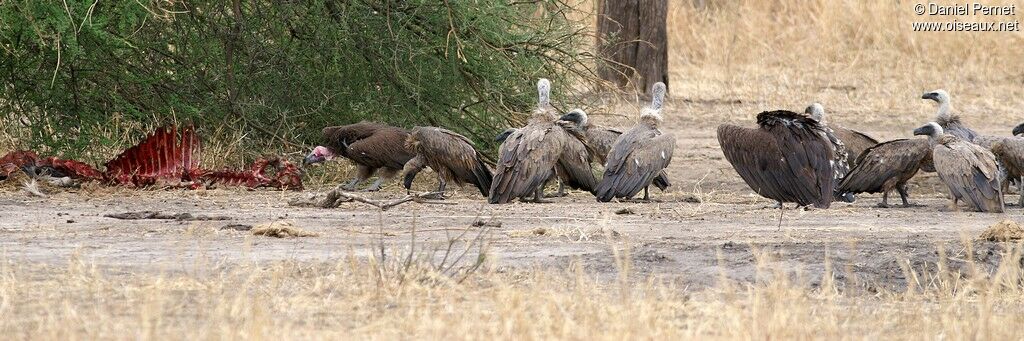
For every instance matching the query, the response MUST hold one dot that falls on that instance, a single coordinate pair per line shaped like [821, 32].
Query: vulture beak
[925, 130]
[931, 95]
[1019, 129]
[313, 158]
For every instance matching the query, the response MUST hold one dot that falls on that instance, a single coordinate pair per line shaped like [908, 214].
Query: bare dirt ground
[710, 224]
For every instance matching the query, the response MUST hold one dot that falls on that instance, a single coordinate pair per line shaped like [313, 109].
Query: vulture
[887, 166]
[601, 139]
[639, 155]
[371, 146]
[1009, 151]
[449, 154]
[949, 122]
[534, 153]
[855, 142]
[790, 157]
[969, 170]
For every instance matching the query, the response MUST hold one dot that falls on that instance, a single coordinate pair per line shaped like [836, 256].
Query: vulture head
[577, 116]
[940, 96]
[816, 111]
[504, 135]
[1018, 130]
[931, 129]
[319, 154]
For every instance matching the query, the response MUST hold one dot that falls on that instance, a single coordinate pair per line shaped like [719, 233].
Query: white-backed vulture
[949, 122]
[887, 166]
[601, 139]
[639, 155]
[788, 158]
[530, 155]
[449, 154]
[968, 170]
[371, 146]
[855, 142]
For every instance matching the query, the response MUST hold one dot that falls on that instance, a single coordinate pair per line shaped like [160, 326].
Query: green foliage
[276, 70]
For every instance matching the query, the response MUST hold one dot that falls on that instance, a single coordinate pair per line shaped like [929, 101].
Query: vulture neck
[542, 115]
[650, 118]
[945, 111]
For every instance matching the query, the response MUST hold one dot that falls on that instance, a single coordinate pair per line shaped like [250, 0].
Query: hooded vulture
[449, 154]
[969, 170]
[601, 140]
[790, 157]
[639, 155]
[887, 166]
[855, 142]
[370, 146]
[530, 155]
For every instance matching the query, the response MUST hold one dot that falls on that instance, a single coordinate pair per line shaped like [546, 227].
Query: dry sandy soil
[709, 224]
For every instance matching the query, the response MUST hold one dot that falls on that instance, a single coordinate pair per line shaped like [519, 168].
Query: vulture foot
[556, 195]
[777, 206]
[434, 196]
[910, 205]
[536, 200]
[883, 205]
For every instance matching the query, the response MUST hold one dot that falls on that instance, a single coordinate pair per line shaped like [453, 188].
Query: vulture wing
[574, 164]
[448, 150]
[384, 148]
[601, 140]
[971, 174]
[884, 166]
[784, 160]
[1010, 151]
[856, 143]
[525, 161]
[636, 159]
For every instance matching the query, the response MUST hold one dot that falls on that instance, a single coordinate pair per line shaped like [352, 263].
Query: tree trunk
[632, 39]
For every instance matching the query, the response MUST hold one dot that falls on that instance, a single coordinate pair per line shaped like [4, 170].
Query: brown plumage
[530, 155]
[854, 141]
[788, 158]
[601, 139]
[371, 146]
[887, 166]
[1010, 153]
[639, 155]
[969, 170]
[449, 154]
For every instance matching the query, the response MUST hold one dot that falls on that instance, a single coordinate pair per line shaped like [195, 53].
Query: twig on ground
[336, 197]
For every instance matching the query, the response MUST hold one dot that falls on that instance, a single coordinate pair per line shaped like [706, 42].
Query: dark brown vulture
[788, 158]
[968, 170]
[449, 154]
[1009, 151]
[949, 122]
[639, 155]
[530, 155]
[887, 166]
[370, 146]
[601, 139]
[855, 142]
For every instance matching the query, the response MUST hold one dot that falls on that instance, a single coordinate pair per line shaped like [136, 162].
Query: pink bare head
[319, 154]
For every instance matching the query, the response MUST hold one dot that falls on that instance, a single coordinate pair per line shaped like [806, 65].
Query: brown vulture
[371, 146]
[969, 170]
[639, 155]
[449, 154]
[601, 140]
[530, 155]
[887, 166]
[1009, 151]
[790, 157]
[855, 142]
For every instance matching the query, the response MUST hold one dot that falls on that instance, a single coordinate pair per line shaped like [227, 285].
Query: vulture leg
[647, 196]
[441, 183]
[1020, 188]
[538, 196]
[955, 207]
[903, 195]
[885, 200]
[362, 173]
[385, 175]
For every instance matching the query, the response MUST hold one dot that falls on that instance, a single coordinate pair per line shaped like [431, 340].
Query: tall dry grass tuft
[394, 297]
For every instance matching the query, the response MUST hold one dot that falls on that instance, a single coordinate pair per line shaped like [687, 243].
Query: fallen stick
[336, 197]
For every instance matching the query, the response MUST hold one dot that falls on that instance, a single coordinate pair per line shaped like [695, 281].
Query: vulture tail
[483, 177]
[605, 191]
[661, 181]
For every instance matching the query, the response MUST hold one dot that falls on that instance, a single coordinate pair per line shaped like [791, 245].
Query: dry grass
[354, 298]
